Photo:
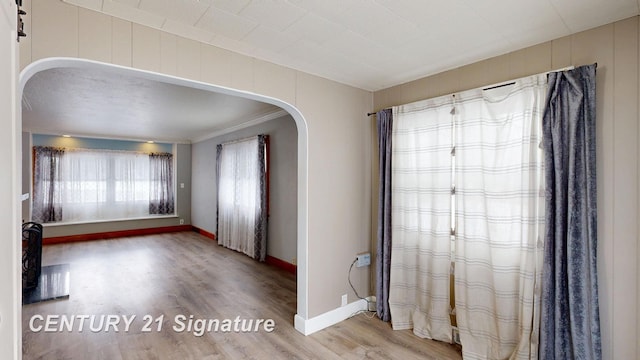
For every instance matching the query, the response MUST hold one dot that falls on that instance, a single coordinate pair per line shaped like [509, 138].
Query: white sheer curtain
[241, 206]
[103, 185]
[421, 218]
[500, 217]
[495, 137]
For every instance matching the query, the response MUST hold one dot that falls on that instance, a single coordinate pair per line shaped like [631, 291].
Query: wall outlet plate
[371, 306]
[345, 300]
[363, 259]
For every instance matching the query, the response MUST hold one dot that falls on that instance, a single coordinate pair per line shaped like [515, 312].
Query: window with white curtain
[467, 185]
[81, 185]
[242, 195]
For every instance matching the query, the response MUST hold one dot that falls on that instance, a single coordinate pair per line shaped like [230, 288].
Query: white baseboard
[309, 326]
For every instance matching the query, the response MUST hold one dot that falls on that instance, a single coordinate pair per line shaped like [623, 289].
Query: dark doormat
[53, 284]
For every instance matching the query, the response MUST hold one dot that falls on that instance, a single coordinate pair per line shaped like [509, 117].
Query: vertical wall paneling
[625, 152]
[241, 72]
[499, 68]
[121, 42]
[274, 79]
[561, 53]
[416, 90]
[94, 35]
[188, 59]
[215, 65]
[517, 63]
[537, 59]
[55, 29]
[168, 53]
[146, 54]
[476, 75]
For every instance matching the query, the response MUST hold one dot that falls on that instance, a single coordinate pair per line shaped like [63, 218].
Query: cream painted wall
[615, 48]
[10, 186]
[339, 147]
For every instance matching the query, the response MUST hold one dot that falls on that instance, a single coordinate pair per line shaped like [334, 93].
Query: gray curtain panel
[383, 252]
[161, 197]
[47, 197]
[218, 155]
[570, 324]
[260, 242]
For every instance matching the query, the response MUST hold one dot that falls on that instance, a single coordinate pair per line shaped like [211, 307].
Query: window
[75, 185]
[242, 195]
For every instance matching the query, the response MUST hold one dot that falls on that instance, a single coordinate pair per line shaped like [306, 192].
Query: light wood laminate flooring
[188, 274]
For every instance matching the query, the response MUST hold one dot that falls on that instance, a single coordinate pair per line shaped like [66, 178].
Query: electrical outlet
[181, 221]
[371, 304]
[345, 300]
[363, 259]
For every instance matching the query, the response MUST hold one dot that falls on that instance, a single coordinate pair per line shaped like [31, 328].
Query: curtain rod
[510, 82]
[239, 140]
[249, 138]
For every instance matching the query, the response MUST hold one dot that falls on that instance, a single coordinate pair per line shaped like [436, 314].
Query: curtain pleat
[570, 325]
[421, 205]
[47, 195]
[161, 199]
[383, 254]
[499, 219]
[260, 242]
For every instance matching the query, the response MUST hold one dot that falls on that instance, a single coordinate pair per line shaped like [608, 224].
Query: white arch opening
[301, 124]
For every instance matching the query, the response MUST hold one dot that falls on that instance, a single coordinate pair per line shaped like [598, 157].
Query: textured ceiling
[370, 44]
[99, 101]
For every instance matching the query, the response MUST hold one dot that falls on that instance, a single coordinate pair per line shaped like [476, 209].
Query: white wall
[338, 153]
[282, 228]
[615, 48]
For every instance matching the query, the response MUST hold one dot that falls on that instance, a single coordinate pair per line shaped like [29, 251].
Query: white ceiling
[370, 44]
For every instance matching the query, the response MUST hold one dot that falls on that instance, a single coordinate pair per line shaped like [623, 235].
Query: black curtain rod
[373, 113]
[499, 86]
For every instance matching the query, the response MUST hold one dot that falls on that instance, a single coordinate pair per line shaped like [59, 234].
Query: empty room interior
[206, 179]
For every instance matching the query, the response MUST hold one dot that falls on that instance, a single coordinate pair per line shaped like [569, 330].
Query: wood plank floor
[188, 274]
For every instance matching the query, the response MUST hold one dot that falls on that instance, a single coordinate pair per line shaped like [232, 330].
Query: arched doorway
[302, 141]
